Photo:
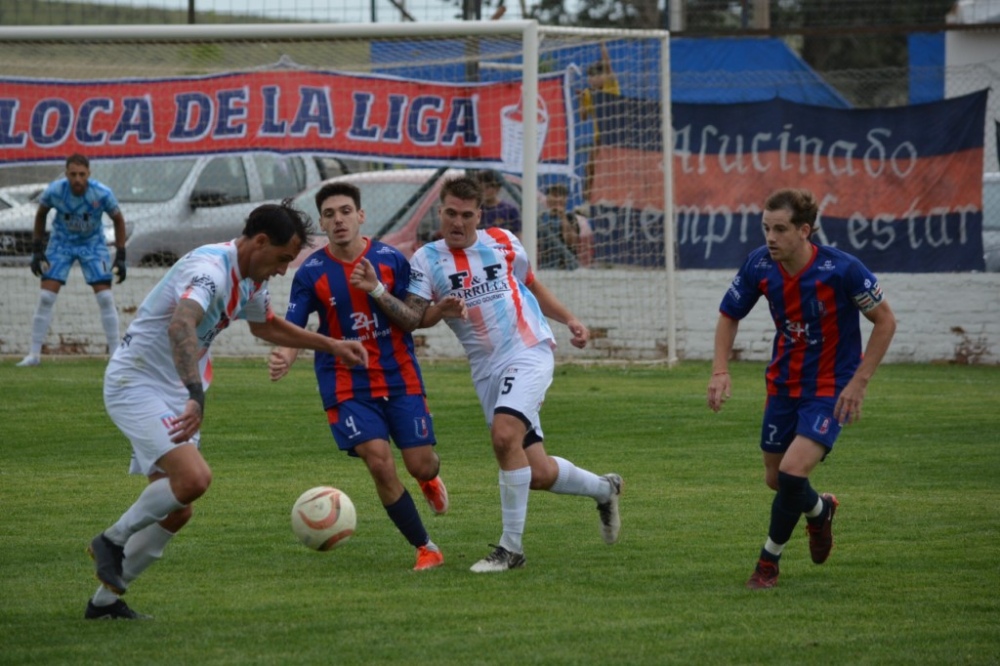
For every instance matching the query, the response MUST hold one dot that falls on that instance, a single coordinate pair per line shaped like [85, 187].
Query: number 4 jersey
[322, 285]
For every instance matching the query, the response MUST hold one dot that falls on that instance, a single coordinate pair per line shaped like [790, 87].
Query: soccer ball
[323, 518]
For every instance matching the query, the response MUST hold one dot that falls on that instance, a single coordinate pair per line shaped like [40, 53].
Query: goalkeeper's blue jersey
[817, 346]
[78, 219]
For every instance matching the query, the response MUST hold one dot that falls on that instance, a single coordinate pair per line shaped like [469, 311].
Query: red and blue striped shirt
[817, 346]
[322, 285]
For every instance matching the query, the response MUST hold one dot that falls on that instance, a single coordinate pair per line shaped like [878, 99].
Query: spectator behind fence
[496, 212]
[601, 79]
[565, 239]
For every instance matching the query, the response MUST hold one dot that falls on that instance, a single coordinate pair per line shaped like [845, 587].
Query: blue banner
[899, 188]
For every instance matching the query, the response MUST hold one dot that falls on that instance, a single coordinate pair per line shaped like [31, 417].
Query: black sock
[768, 556]
[787, 506]
[404, 515]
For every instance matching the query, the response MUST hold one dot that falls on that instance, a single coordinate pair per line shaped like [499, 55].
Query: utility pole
[761, 15]
[191, 13]
[676, 10]
[472, 10]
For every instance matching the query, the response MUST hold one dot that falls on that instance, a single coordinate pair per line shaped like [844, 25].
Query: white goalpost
[255, 113]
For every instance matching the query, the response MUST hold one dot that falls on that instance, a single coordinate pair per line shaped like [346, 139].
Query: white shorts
[145, 415]
[519, 386]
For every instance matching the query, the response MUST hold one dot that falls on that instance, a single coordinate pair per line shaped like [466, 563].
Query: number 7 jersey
[492, 277]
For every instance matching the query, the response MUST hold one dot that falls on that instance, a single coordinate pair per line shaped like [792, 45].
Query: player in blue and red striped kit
[817, 376]
[366, 406]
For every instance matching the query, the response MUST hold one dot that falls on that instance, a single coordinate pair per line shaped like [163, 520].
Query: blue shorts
[93, 255]
[403, 419]
[784, 418]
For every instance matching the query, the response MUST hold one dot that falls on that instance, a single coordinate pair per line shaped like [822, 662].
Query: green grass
[914, 577]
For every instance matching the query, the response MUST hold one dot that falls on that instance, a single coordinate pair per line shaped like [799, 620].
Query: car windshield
[143, 181]
[26, 195]
[380, 201]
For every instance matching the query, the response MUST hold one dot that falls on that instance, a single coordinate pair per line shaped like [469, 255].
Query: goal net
[194, 126]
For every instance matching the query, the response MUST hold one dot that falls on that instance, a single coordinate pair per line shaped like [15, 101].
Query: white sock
[141, 550]
[43, 318]
[773, 548]
[573, 480]
[514, 487]
[103, 597]
[816, 510]
[155, 503]
[109, 317]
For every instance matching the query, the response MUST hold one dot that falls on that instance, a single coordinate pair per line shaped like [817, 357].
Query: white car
[13, 196]
[991, 221]
[174, 204]
[17, 206]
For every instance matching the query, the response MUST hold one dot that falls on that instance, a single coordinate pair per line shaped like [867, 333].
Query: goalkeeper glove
[39, 264]
[119, 267]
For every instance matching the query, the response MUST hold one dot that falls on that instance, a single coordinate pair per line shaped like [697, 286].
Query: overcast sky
[350, 11]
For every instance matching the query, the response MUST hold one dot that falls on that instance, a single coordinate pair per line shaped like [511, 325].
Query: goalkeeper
[77, 235]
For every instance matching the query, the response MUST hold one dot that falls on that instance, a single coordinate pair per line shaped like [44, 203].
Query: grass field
[914, 577]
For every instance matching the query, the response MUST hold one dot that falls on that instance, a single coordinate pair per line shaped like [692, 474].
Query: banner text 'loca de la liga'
[900, 188]
[372, 117]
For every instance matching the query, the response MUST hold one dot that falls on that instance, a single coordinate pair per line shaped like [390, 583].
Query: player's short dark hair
[557, 190]
[338, 189]
[464, 188]
[77, 158]
[800, 203]
[281, 222]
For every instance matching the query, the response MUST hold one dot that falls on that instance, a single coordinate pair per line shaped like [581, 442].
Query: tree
[626, 14]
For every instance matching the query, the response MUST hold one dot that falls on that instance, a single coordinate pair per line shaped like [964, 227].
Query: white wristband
[377, 291]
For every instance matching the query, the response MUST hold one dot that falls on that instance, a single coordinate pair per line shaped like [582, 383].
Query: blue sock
[404, 515]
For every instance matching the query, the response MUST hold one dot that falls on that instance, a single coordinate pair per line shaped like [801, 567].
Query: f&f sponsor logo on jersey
[478, 289]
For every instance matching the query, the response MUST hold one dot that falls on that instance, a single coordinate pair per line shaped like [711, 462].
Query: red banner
[383, 118]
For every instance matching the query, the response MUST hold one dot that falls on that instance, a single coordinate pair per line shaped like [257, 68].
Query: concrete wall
[942, 317]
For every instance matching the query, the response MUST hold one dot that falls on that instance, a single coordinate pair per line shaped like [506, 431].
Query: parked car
[399, 204]
[991, 221]
[17, 208]
[174, 204]
[13, 196]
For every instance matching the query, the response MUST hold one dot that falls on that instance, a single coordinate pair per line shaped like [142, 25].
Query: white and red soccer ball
[323, 518]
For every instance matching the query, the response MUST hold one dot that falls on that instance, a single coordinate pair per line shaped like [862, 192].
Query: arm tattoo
[405, 314]
[183, 332]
